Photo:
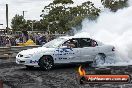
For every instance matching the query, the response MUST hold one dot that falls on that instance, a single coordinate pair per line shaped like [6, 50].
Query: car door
[69, 54]
[88, 49]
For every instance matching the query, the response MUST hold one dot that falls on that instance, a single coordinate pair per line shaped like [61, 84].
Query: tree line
[60, 16]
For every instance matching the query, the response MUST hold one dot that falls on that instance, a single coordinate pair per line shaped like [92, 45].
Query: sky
[33, 8]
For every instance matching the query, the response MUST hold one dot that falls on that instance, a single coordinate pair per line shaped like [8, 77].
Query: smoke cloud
[113, 28]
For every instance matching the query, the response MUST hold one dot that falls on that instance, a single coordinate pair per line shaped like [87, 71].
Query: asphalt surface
[17, 76]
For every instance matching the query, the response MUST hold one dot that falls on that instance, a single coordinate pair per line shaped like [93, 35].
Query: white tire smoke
[113, 28]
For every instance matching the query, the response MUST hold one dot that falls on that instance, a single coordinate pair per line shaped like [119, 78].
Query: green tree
[63, 2]
[18, 23]
[114, 5]
[63, 17]
[86, 10]
[56, 16]
[38, 26]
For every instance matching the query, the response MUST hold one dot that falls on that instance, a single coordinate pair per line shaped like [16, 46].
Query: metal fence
[11, 52]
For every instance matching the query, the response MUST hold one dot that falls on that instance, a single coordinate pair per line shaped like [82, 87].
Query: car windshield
[54, 43]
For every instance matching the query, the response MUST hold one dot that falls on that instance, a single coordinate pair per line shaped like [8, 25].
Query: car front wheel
[46, 63]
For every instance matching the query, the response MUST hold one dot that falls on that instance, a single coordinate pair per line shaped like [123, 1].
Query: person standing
[8, 42]
[17, 40]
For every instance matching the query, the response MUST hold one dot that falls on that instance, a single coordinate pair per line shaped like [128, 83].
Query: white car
[64, 50]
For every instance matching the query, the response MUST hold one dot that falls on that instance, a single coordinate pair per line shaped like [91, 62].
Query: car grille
[18, 60]
[22, 61]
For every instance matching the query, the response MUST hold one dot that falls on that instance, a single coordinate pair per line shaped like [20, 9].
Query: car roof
[70, 37]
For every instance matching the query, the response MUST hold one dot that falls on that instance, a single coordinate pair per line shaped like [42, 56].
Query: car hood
[35, 50]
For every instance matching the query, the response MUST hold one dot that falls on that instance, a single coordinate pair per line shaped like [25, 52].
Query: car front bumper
[26, 61]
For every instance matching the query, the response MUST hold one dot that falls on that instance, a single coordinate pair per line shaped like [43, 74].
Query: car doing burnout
[65, 50]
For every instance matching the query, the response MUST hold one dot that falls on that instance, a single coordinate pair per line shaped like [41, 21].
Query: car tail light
[113, 49]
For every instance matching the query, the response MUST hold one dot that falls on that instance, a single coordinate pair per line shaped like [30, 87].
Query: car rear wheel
[99, 60]
[46, 63]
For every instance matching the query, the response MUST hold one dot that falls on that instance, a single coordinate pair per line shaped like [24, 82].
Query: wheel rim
[47, 63]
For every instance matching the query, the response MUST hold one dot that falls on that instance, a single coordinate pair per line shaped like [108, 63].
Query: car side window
[72, 43]
[87, 42]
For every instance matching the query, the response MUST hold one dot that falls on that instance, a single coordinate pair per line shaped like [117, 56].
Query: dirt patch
[16, 76]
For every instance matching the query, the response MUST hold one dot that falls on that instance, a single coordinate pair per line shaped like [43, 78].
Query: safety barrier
[11, 52]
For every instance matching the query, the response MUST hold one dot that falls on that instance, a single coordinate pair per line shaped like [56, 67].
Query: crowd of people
[14, 40]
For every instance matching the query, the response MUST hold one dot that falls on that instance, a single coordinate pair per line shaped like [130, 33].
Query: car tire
[29, 67]
[99, 60]
[46, 63]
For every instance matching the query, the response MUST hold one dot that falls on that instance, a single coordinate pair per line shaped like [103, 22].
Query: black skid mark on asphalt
[53, 82]
[8, 65]
[16, 81]
[63, 77]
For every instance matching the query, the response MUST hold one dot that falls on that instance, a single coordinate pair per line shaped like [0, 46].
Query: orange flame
[81, 71]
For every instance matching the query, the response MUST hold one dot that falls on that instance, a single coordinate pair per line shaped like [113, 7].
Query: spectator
[42, 40]
[8, 42]
[13, 42]
[17, 40]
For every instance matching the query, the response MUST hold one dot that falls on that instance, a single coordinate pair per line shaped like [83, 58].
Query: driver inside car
[71, 44]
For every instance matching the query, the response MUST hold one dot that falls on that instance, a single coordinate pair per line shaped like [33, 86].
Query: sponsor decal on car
[33, 61]
[63, 58]
[64, 51]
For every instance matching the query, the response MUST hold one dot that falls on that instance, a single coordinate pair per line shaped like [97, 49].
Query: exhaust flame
[81, 71]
